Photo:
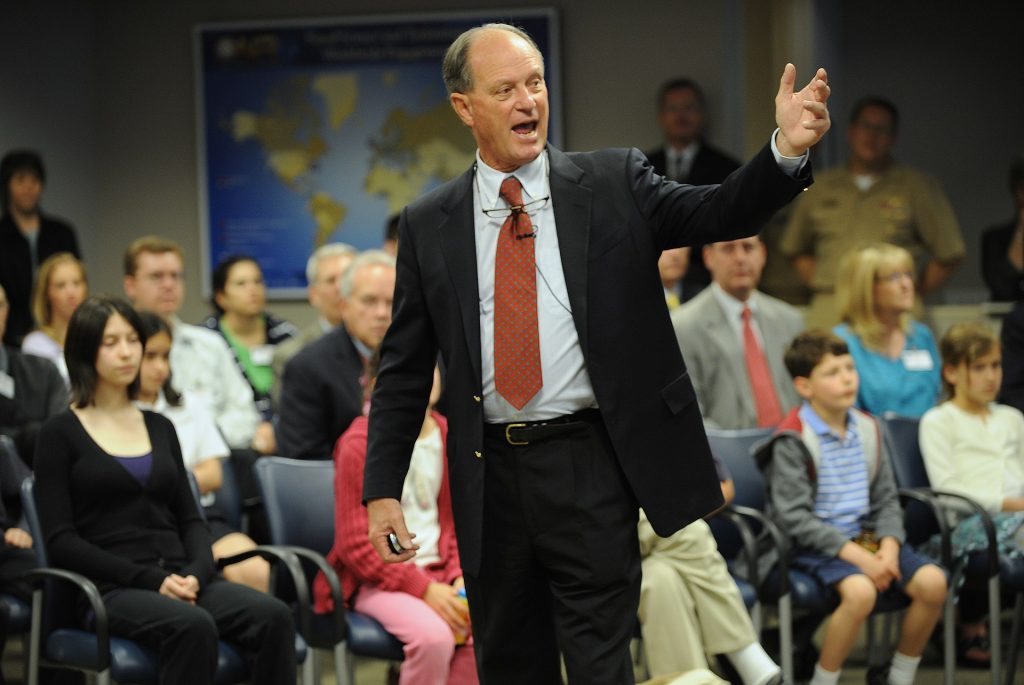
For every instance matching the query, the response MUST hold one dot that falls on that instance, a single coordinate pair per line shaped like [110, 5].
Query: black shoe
[877, 675]
[978, 645]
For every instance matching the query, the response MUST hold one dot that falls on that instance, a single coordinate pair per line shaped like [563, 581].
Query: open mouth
[527, 129]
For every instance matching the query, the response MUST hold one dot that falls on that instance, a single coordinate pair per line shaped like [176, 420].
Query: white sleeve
[235, 408]
[936, 437]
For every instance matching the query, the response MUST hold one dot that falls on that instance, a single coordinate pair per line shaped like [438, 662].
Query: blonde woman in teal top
[896, 357]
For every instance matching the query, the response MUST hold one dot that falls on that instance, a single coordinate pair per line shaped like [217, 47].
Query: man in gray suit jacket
[710, 330]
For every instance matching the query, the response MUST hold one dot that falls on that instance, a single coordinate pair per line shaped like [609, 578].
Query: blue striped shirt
[842, 498]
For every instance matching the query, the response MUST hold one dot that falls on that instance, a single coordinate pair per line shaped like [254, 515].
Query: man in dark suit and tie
[688, 158]
[323, 385]
[535, 275]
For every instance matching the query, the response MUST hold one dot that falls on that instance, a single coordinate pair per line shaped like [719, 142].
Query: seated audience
[690, 605]
[240, 296]
[323, 275]
[115, 505]
[896, 357]
[27, 236]
[418, 600]
[201, 363]
[1002, 247]
[202, 449]
[830, 487]
[733, 338]
[31, 391]
[323, 385]
[975, 447]
[1012, 336]
[60, 288]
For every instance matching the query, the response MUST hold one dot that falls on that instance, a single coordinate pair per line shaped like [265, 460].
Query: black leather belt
[526, 432]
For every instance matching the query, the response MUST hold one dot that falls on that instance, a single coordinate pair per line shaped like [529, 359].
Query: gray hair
[458, 77]
[368, 258]
[323, 252]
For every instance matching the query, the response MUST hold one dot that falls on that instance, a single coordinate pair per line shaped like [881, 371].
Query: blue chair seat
[806, 591]
[133, 663]
[19, 614]
[366, 636]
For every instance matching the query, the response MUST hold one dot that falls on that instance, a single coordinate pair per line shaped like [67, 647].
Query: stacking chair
[298, 496]
[57, 642]
[12, 472]
[782, 588]
[997, 572]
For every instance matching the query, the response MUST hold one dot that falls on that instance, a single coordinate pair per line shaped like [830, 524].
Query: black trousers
[560, 567]
[185, 635]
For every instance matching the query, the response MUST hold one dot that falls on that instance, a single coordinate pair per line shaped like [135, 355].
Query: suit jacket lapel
[457, 231]
[571, 205]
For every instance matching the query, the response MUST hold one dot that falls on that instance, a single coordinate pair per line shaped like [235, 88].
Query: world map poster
[317, 131]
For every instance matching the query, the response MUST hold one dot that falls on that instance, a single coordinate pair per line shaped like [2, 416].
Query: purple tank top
[138, 467]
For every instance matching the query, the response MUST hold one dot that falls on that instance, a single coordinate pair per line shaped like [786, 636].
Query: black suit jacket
[613, 217]
[16, 268]
[321, 393]
[1012, 336]
[711, 165]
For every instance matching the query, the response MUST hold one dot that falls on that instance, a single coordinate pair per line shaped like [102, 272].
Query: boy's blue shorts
[830, 570]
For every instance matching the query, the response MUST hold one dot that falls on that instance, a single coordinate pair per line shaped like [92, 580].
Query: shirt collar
[533, 176]
[687, 153]
[733, 308]
[818, 425]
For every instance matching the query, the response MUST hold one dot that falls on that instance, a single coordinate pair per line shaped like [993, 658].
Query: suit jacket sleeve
[693, 215]
[408, 356]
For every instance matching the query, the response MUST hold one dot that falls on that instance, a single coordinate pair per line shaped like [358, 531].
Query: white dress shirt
[566, 386]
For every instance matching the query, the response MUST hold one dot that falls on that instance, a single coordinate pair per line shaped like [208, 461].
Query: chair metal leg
[995, 628]
[35, 638]
[309, 667]
[949, 638]
[755, 618]
[343, 667]
[870, 638]
[1011, 658]
[786, 636]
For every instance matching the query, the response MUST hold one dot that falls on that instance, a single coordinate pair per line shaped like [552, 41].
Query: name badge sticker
[262, 355]
[918, 360]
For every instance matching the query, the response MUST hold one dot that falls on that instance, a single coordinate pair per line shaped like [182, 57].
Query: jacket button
[479, 455]
[476, 398]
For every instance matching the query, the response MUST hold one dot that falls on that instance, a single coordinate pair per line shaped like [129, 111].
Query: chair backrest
[298, 497]
[901, 432]
[735, 449]
[229, 496]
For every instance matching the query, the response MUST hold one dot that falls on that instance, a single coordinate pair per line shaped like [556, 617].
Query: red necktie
[517, 375]
[769, 413]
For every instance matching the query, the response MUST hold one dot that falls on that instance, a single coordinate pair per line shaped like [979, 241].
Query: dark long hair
[152, 325]
[221, 274]
[82, 345]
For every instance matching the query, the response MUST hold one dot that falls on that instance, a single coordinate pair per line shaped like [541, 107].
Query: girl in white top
[202, 449]
[61, 286]
[975, 447]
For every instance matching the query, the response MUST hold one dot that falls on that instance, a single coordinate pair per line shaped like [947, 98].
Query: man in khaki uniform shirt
[872, 199]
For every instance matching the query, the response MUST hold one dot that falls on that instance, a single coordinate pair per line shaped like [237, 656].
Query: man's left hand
[802, 117]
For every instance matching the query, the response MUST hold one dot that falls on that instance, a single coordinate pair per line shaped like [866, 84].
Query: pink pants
[431, 655]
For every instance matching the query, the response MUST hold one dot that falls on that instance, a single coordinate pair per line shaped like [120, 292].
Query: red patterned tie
[517, 375]
[769, 413]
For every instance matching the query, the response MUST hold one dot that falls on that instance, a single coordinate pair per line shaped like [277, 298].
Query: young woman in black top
[116, 505]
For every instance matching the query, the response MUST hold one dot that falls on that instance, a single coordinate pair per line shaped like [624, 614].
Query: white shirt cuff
[791, 166]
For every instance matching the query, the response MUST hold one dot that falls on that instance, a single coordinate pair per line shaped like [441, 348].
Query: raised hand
[802, 117]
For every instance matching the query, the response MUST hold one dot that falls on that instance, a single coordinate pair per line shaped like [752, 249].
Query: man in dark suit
[535, 274]
[323, 385]
[687, 157]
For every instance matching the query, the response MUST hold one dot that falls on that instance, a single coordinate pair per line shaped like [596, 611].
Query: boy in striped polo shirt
[831, 488]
